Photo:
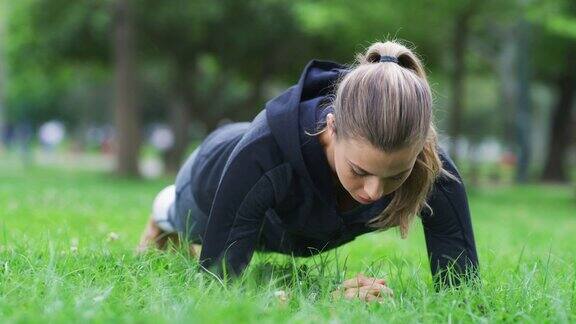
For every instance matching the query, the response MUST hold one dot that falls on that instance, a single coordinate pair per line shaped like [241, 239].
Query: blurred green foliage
[58, 49]
[224, 59]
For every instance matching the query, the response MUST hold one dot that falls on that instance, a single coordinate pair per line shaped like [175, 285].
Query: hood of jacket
[285, 116]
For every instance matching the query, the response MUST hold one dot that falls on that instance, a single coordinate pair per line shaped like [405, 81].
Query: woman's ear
[331, 123]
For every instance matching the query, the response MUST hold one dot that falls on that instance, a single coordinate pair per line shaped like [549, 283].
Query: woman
[346, 151]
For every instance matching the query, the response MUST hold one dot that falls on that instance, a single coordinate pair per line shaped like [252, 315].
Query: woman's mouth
[364, 200]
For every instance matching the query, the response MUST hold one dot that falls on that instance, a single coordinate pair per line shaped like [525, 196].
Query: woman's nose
[374, 189]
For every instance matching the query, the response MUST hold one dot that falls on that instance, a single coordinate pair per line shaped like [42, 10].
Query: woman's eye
[359, 174]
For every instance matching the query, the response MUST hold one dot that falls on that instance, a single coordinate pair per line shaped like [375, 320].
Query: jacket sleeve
[448, 230]
[234, 225]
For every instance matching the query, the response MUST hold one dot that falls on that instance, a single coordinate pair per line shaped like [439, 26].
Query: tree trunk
[182, 111]
[179, 123]
[507, 78]
[2, 75]
[460, 33]
[523, 109]
[126, 114]
[561, 132]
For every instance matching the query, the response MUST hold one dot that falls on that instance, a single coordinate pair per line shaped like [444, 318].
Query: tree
[127, 117]
[561, 129]
[460, 36]
[523, 102]
[173, 37]
[210, 50]
[2, 69]
[60, 38]
[558, 67]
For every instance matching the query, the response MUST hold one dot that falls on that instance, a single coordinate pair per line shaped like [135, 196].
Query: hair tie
[387, 58]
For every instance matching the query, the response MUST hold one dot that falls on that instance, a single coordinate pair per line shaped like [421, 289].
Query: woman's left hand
[364, 288]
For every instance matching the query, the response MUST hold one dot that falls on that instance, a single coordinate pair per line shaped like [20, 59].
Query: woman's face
[366, 172]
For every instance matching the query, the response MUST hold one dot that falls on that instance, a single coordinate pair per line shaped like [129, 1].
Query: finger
[359, 280]
[364, 294]
[353, 282]
[385, 291]
[372, 298]
[351, 293]
[365, 281]
[376, 291]
[379, 291]
[373, 281]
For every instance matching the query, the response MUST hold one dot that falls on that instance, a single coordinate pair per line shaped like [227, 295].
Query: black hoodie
[267, 185]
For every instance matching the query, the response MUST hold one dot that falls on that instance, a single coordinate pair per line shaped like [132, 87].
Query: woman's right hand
[364, 288]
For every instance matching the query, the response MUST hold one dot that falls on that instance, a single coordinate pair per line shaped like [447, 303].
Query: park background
[100, 102]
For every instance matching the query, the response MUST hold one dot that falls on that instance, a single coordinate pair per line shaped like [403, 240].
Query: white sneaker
[164, 199]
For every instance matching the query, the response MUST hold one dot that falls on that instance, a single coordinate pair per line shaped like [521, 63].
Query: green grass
[58, 263]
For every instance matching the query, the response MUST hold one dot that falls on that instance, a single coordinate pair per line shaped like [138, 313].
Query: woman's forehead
[376, 161]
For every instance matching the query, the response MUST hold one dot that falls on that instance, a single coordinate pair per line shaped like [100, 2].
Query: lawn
[67, 241]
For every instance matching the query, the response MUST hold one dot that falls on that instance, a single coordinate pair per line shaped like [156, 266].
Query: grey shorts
[184, 214]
